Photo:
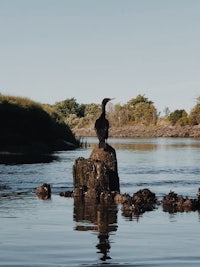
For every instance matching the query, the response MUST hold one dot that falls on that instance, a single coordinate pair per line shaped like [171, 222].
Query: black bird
[102, 125]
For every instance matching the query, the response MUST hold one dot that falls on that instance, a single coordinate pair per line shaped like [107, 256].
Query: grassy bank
[32, 128]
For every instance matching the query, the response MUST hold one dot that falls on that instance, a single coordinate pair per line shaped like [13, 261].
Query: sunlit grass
[21, 101]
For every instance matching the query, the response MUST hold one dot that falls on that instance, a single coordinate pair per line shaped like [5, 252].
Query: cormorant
[102, 125]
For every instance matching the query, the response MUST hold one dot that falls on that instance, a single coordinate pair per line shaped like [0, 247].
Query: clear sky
[51, 50]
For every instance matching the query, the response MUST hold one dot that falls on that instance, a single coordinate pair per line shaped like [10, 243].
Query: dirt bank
[145, 132]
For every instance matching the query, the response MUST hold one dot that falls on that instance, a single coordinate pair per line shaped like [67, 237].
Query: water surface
[59, 232]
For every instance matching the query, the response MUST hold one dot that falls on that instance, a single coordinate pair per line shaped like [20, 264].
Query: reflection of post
[104, 218]
[104, 246]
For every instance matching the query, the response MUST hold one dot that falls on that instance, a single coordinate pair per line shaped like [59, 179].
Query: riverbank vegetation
[31, 126]
[138, 117]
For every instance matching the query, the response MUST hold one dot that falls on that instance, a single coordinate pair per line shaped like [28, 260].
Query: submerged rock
[176, 203]
[66, 194]
[141, 201]
[44, 191]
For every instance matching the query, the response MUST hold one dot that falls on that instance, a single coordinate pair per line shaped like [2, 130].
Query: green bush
[178, 117]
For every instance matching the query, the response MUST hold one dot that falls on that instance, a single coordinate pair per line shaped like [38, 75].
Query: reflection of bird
[102, 125]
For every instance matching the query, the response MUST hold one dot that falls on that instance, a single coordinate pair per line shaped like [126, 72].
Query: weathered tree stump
[97, 176]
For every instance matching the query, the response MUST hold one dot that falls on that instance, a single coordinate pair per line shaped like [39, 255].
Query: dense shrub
[70, 106]
[138, 110]
[179, 117]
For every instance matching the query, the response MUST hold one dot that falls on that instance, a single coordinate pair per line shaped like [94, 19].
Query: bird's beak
[111, 99]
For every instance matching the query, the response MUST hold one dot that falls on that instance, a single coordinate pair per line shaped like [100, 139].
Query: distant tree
[70, 106]
[92, 110]
[140, 110]
[139, 99]
[145, 113]
[194, 117]
[178, 117]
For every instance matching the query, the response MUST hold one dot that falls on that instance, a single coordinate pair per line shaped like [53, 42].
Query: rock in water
[97, 175]
[43, 191]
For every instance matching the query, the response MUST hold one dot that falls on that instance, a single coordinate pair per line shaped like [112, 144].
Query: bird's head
[106, 100]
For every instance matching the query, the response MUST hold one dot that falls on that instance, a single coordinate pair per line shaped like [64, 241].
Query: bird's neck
[103, 110]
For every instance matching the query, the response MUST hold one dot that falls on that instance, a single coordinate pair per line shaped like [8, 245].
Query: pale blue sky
[51, 50]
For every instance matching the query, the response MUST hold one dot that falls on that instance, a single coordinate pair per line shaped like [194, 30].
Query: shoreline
[25, 158]
[140, 131]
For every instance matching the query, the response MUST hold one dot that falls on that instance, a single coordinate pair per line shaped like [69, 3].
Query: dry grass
[21, 101]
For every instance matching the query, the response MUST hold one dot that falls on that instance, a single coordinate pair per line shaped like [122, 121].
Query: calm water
[59, 232]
